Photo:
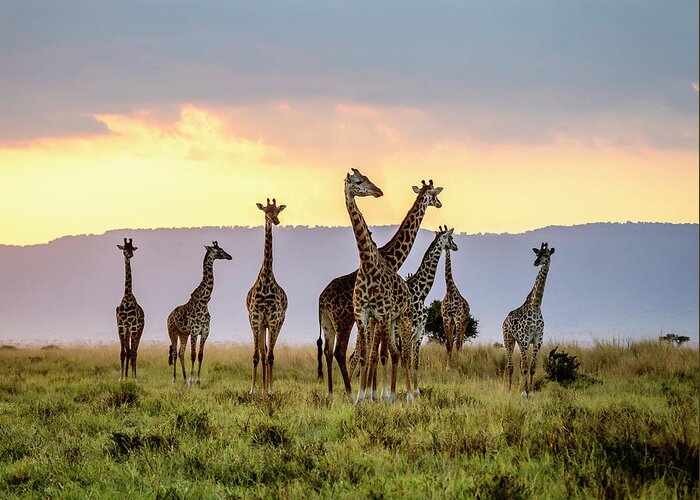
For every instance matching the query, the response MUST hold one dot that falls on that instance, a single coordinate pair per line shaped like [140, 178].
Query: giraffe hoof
[352, 398]
[386, 397]
[392, 398]
[199, 382]
[524, 395]
[409, 399]
[416, 392]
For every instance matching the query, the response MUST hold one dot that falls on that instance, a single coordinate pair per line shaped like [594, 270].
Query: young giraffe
[525, 324]
[381, 299]
[336, 316]
[419, 285]
[192, 319]
[130, 318]
[454, 310]
[267, 304]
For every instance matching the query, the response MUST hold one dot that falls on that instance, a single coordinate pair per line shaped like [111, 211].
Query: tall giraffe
[335, 310]
[420, 285]
[381, 299]
[525, 324]
[130, 318]
[454, 310]
[192, 318]
[267, 304]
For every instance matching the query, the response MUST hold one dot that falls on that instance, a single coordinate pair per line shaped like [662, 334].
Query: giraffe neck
[365, 246]
[127, 276]
[266, 268]
[396, 250]
[425, 276]
[203, 291]
[449, 281]
[535, 296]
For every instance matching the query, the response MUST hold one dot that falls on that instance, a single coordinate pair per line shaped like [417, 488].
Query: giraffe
[381, 299]
[192, 318]
[419, 285]
[454, 310]
[130, 318]
[267, 304]
[525, 325]
[335, 310]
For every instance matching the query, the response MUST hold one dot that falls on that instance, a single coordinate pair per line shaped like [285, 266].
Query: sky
[182, 114]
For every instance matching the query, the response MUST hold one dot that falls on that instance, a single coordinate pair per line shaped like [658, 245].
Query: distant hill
[606, 280]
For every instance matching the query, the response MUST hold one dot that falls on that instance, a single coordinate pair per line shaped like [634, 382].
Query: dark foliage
[561, 367]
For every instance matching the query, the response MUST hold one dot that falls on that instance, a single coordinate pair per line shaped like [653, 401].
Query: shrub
[561, 367]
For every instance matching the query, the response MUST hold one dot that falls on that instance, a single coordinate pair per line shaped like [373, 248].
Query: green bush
[561, 367]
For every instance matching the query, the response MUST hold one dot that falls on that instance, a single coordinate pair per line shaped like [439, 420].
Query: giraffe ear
[259, 205]
[134, 248]
[436, 190]
[551, 251]
[536, 250]
[120, 247]
[282, 207]
[416, 189]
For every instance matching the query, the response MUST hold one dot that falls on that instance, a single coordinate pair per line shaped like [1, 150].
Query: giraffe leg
[405, 331]
[328, 352]
[122, 354]
[533, 365]
[193, 354]
[135, 340]
[257, 329]
[383, 358]
[263, 358]
[340, 352]
[274, 333]
[181, 355]
[395, 359]
[416, 358]
[127, 351]
[200, 356]
[373, 359]
[509, 344]
[460, 329]
[449, 332]
[523, 367]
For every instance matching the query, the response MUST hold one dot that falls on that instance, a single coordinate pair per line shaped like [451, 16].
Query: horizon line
[293, 226]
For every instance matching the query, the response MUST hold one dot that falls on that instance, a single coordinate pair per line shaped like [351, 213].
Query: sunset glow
[210, 167]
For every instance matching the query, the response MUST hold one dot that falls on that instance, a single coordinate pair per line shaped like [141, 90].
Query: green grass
[629, 428]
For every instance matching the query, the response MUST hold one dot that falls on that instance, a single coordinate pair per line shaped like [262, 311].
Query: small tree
[435, 330]
[561, 366]
[672, 338]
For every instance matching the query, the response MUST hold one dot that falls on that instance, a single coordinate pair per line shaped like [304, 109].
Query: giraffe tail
[319, 346]
[171, 351]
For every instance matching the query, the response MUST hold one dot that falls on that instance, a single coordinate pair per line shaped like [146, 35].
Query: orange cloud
[210, 167]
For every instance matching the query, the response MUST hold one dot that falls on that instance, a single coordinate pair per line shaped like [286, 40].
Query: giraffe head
[216, 252]
[357, 184]
[444, 238]
[544, 253]
[272, 211]
[430, 192]
[127, 248]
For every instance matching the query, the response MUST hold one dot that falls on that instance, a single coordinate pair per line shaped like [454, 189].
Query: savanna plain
[626, 427]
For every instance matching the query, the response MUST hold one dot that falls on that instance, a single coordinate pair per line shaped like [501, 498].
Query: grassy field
[629, 428]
